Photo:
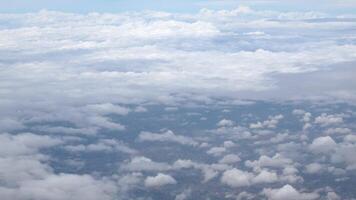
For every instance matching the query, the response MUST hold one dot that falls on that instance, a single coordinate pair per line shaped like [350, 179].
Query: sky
[220, 99]
[84, 6]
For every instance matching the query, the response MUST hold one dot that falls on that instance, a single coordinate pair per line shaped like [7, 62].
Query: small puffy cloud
[322, 145]
[167, 136]
[236, 178]
[327, 120]
[184, 195]
[107, 108]
[225, 122]
[331, 131]
[298, 112]
[288, 192]
[306, 116]
[230, 159]
[228, 144]
[159, 180]
[332, 196]
[145, 164]
[266, 176]
[104, 122]
[103, 145]
[216, 151]
[314, 168]
[271, 122]
[277, 161]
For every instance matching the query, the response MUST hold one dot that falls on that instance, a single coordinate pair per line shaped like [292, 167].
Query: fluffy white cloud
[236, 178]
[270, 123]
[225, 122]
[89, 65]
[63, 186]
[265, 176]
[288, 192]
[277, 161]
[330, 131]
[314, 168]
[105, 145]
[216, 151]
[326, 120]
[25, 144]
[322, 145]
[145, 164]
[230, 159]
[26, 174]
[167, 136]
[159, 180]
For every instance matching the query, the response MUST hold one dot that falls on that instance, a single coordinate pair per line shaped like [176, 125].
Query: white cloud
[159, 180]
[236, 178]
[25, 144]
[104, 145]
[266, 176]
[184, 195]
[216, 151]
[107, 108]
[230, 159]
[26, 174]
[327, 120]
[288, 192]
[89, 65]
[314, 168]
[322, 145]
[145, 164]
[330, 131]
[332, 196]
[277, 161]
[225, 122]
[167, 136]
[270, 123]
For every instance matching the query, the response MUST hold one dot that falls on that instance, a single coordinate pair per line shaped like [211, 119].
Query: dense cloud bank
[161, 105]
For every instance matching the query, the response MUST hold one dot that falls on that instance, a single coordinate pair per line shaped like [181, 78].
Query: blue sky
[84, 6]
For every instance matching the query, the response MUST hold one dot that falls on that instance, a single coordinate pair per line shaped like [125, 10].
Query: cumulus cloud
[90, 65]
[277, 161]
[322, 145]
[288, 192]
[145, 164]
[216, 151]
[104, 145]
[326, 120]
[270, 123]
[314, 168]
[26, 174]
[230, 159]
[159, 180]
[266, 176]
[236, 178]
[225, 122]
[167, 136]
[63, 186]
